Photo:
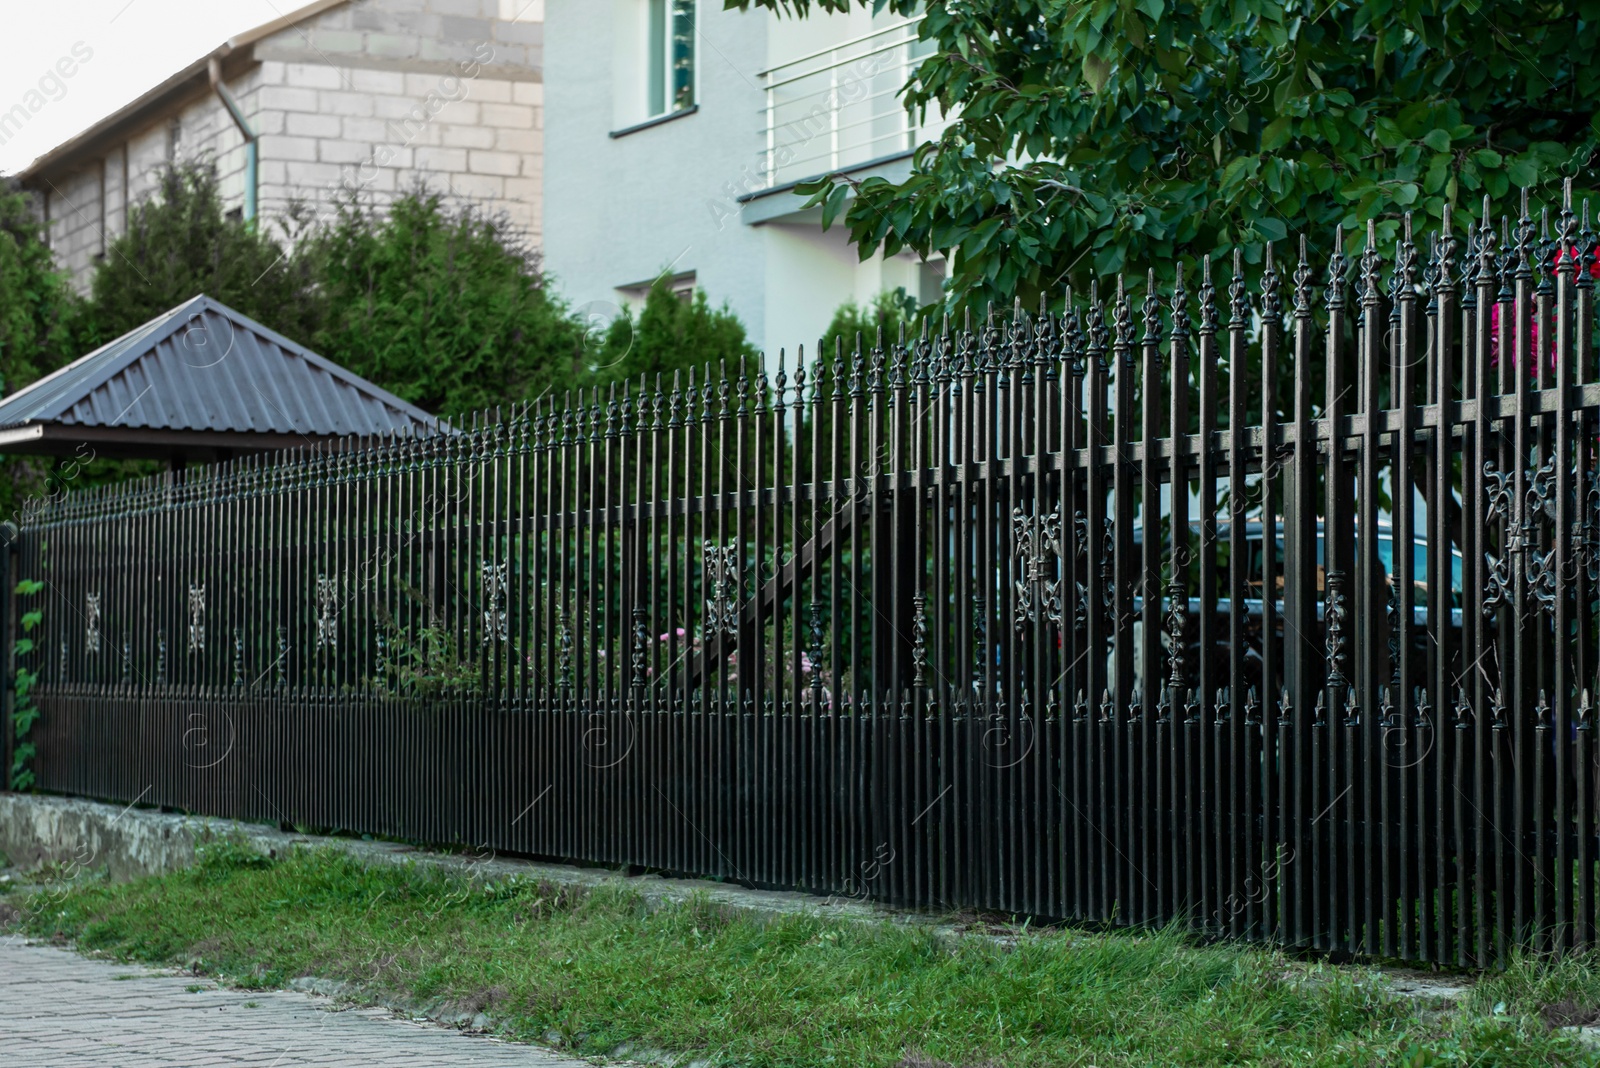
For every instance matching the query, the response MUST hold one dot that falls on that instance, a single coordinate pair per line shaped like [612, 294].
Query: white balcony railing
[839, 107]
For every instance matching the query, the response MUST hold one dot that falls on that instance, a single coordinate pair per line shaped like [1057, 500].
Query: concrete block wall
[378, 33]
[375, 96]
[88, 208]
[145, 153]
[74, 214]
[380, 132]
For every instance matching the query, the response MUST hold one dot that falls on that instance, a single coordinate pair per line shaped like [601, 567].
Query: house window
[521, 10]
[669, 44]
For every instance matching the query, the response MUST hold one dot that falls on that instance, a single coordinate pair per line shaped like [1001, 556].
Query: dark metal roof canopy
[200, 383]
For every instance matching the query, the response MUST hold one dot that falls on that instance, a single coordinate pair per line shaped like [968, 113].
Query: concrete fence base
[122, 842]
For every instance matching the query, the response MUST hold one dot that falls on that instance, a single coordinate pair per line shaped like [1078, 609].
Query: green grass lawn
[602, 969]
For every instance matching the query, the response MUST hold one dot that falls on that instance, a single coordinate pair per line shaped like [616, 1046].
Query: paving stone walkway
[60, 1010]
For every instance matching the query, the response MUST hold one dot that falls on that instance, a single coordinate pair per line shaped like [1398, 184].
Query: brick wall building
[371, 95]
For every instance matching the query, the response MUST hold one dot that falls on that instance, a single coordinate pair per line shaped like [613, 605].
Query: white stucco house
[675, 132]
[370, 95]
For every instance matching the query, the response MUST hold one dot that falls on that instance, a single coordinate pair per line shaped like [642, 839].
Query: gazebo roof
[201, 382]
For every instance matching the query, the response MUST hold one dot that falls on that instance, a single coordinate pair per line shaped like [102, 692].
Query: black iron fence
[1272, 607]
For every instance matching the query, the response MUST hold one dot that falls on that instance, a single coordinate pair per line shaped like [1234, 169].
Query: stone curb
[123, 843]
[84, 838]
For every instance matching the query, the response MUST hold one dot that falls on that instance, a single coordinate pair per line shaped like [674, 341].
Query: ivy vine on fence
[24, 712]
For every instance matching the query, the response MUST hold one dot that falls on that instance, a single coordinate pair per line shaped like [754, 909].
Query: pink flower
[1533, 326]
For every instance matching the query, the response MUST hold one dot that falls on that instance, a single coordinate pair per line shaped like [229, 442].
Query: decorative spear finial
[1208, 299]
[1238, 305]
[1371, 265]
[1302, 283]
[1338, 267]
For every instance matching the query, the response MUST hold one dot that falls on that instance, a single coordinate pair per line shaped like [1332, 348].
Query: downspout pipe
[252, 159]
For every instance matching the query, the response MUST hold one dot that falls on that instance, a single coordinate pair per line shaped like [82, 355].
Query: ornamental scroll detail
[722, 589]
[91, 620]
[563, 655]
[1334, 618]
[1521, 556]
[814, 653]
[1080, 609]
[641, 648]
[281, 664]
[1037, 546]
[197, 617]
[1586, 533]
[919, 641]
[327, 612]
[1177, 622]
[495, 623]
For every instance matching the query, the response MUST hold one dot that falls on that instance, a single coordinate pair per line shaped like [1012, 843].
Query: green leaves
[1271, 229]
[1096, 71]
[669, 335]
[25, 719]
[1523, 173]
[442, 305]
[37, 305]
[181, 242]
[24, 713]
[833, 202]
[1182, 127]
[1276, 134]
[21, 772]
[1388, 133]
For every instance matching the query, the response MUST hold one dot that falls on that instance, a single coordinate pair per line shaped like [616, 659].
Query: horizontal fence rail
[1270, 607]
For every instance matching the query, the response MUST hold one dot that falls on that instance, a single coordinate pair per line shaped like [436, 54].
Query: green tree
[39, 323]
[885, 313]
[671, 336]
[1106, 134]
[671, 333]
[37, 305]
[445, 307]
[180, 243]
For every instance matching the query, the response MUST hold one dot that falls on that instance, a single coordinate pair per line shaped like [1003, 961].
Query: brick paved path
[60, 1010]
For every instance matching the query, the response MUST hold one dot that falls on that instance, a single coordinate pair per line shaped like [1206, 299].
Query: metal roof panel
[204, 366]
